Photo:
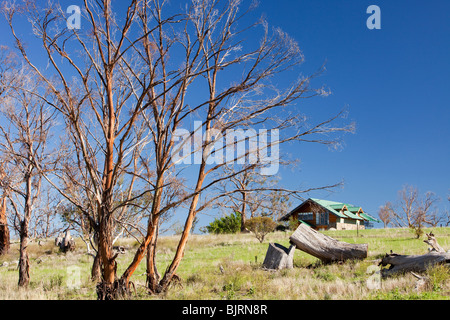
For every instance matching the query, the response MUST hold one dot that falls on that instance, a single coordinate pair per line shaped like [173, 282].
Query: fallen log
[412, 263]
[279, 257]
[324, 247]
[415, 263]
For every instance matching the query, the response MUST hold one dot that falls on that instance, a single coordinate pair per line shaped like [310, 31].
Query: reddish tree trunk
[4, 230]
[152, 279]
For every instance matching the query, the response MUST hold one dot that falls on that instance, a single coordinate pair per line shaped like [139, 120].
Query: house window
[306, 216]
[322, 218]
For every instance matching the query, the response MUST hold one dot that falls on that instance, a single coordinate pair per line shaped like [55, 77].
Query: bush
[260, 226]
[227, 224]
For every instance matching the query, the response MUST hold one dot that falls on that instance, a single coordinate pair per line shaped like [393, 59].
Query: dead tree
[99, 97]
[414, 210]
[24, 147]
[412, 263]
[247, 102]
[324, 247]
[415, 263]
[128, 74]
[8, 79]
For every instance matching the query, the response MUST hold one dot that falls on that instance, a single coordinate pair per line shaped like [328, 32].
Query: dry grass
[229, 267]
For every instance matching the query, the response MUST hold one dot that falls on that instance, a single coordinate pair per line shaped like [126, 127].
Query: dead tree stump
[324, 247]
[65, 242]
[279, 257]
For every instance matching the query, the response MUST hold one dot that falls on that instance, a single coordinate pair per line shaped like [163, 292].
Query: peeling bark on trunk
[96, 272]
[24, 262]
[153, 276]
[105, 289]
[4, 230]
[324, 247]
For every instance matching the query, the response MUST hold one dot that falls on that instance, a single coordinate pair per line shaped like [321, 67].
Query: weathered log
[279, 257]
[412, 263]
[415, 263]
[324, 247]
[432, 242]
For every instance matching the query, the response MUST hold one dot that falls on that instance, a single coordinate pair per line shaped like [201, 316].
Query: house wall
[334, 222]
[349, 224]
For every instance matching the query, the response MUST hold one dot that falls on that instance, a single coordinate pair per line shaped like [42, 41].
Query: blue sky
[395, 84]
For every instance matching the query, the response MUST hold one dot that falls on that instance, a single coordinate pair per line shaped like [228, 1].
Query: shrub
[260, 226]
[227, 224]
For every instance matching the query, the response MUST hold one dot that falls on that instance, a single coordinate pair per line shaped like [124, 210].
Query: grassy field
[229, 267]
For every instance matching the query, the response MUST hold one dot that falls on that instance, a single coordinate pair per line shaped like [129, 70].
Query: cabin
[324, 214]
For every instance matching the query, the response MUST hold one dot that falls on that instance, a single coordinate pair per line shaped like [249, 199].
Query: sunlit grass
[229, 267]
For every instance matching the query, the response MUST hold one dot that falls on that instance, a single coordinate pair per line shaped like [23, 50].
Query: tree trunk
[153, 276]
[24, 262]
[243, 209]
[169, 275]
[4, 230]
[96, 271]
[279, 257]
[324, 247]
[150, 238]
[412, 263]
[105, 289]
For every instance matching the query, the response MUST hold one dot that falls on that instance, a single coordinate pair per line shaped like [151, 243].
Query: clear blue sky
[395, 83]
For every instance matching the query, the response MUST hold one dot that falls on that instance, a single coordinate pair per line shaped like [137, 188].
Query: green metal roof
[352, 215]
[369, 217]
[330, 206]
[335, 208]
[353, 208]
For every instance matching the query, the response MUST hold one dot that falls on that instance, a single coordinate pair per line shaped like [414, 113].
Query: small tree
[23, 148]
[415, 211]
[260, 226]
[386, 213]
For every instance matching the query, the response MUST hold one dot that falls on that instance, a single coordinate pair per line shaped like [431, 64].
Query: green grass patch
[229, 267]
